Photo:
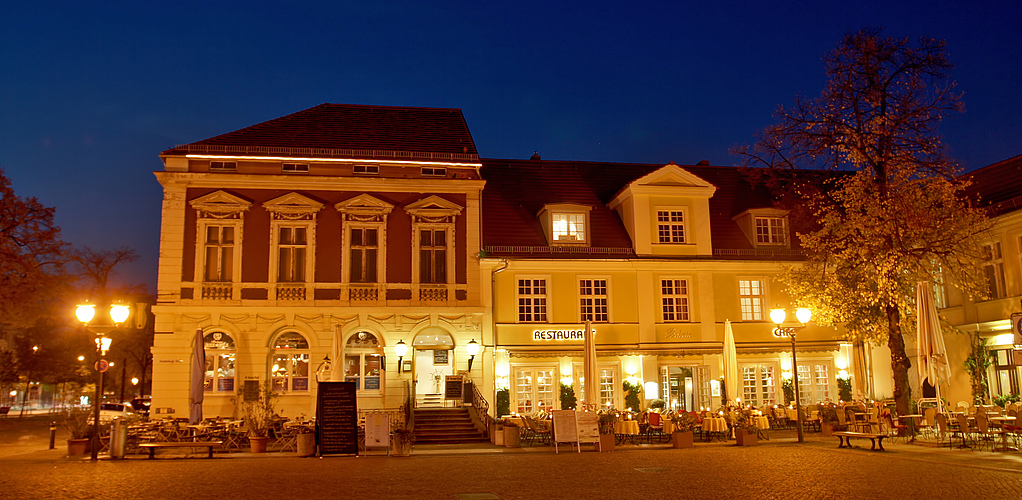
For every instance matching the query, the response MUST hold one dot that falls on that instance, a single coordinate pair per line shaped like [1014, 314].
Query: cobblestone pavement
[778, 468]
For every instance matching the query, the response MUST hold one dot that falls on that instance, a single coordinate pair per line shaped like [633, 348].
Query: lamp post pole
[117, 314]
[94, 443]
[804, 315]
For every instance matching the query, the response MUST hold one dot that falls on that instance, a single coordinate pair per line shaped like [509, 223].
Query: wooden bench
[181, 444]
[844, 438]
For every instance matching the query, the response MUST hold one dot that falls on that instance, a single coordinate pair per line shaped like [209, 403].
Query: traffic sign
[102, 365]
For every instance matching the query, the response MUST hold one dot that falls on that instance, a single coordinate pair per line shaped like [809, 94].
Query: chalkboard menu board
[250, 391]
[337, 418]
[452, 390]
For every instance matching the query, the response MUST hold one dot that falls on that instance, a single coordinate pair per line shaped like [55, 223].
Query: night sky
[91, 92]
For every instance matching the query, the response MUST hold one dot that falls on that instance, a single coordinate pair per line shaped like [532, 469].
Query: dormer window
[771, 231]
[565, 223]
[569, 228]
[670, 226]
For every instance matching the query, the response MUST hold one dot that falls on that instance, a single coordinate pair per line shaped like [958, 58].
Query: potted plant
[684, 425]
[607, 419]
[403, 439]
[512, 434]
[258, 415]
[828, 419]
[746, 432]
[76, 421]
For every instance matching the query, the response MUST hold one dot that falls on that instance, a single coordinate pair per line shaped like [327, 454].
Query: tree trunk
[899, 361]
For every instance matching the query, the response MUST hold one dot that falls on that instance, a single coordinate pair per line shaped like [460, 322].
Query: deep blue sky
[91, 92]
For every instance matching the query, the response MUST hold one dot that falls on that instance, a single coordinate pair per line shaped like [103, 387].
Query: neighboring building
[998, 188]
[355, 228]
[337, 225]
[657, 257]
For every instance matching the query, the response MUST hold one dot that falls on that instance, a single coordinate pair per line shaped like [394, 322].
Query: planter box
[683, 439]
[497, 436]
[746, 438]
[512, 437]
[77, 446]
[827, 429]
[607, 442]
[257, 444]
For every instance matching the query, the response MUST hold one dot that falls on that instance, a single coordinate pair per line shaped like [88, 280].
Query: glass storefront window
[221, 355]
[363, 362]
[289, 368]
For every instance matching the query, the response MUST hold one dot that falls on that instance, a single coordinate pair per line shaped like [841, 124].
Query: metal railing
[341, 153]
[558, 249]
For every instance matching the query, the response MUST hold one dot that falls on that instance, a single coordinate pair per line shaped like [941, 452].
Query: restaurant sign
[559, 334]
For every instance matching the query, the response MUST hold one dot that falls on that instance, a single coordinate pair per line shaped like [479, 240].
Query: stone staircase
[446, 426]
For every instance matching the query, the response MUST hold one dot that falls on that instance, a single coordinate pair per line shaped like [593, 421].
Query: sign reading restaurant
[559, 334]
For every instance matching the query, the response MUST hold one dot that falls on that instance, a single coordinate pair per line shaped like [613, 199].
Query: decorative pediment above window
[670, 180]
[220, 205]
[293, 206]
[364, 208]
[433, 210]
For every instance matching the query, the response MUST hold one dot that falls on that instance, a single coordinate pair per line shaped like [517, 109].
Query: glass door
[533, 390]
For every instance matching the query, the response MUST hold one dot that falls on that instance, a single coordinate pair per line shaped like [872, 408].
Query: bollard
[53, 434]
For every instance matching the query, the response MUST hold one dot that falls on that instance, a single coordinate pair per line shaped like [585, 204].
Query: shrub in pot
[683, 434]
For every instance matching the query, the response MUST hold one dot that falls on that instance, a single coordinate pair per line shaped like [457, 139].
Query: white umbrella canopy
[730, 363]
[196, 390]
[932, 363]
[337, 356]
[589, 367]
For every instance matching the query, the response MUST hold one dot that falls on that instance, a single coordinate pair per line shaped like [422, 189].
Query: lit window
[295, 168]
[813, 382]
[671, 226]
[607, 387]
[770, 231]
[751, 297]
[674, 299]
[569, 228]
[593, 300]
[220, 358]
[758, 385]
[290, 363]
[532, 301]
[363, 362]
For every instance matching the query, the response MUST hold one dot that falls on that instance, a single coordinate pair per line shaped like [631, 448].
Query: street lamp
[803, 315]
[117, 314]
[472, 348]
[401, 348]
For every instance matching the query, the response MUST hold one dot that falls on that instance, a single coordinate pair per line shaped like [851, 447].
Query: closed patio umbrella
[196, 389]
[589, 366]
[932, 363]
[730, 363]
[337, 356]
[859, 371]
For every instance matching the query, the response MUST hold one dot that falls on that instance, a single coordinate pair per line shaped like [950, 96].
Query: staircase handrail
[481, 406]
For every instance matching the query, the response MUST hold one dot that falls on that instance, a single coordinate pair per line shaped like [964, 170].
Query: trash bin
[118, 438]
[306, 444]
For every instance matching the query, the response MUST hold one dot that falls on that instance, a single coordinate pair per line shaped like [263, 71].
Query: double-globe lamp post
[803, 315]
[105, 324]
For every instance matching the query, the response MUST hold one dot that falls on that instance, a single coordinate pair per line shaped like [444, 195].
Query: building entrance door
[534, 390]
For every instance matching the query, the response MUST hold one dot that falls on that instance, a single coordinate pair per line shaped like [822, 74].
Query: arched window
[363, 361]
[290, 363]
[220, 357]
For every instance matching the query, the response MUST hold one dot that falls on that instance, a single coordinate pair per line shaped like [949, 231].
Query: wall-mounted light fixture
[400, 349]
[472, 348]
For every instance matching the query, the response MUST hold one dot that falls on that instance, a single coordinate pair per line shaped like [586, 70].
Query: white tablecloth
[713, 424]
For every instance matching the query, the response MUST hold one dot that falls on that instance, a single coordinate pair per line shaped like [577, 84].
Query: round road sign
[102, 365]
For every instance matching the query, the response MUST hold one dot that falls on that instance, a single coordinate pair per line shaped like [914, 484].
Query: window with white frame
[532, 300]
[292, 249]
[607, 385]
[752, 297]
[569, 227]
[534, 389]
[219, 258]
[993, 267]
[365, 239]
[813, 382]
[363, 362]
[221, 355]
[593, 300]
[219, 223]
[758, 384]
[771, 231]
[674, 299]
[289, 368]
[670, 226]
[433, 226]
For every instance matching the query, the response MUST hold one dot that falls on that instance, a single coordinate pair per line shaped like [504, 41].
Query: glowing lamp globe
[778, 316]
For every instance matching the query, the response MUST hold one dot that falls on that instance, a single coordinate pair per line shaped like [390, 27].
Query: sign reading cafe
[558, 335]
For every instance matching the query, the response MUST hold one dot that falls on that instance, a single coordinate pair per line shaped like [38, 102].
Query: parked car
[110, 411]
[141, 405]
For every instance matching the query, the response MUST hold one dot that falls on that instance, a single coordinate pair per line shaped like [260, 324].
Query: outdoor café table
[911, 422]
[716, 425]
[791, 414]
[762, 423]
[626, 428]
[1004, 435]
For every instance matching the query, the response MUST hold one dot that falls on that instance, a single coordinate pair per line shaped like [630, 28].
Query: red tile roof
[516, 190]
[998, 186]
[339, 129]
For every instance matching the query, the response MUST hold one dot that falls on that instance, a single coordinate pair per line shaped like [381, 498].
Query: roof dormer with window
[667, 212]
[566, 224]
[765, 227]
